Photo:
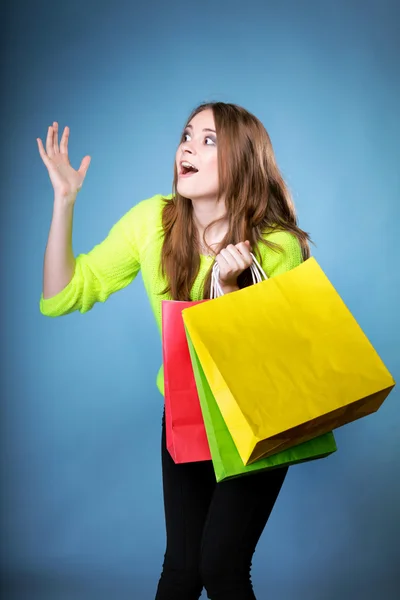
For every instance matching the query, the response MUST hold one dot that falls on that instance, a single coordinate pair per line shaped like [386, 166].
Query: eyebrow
[191, 127]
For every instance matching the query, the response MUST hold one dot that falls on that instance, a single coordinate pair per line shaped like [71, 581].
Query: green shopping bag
[225, 457]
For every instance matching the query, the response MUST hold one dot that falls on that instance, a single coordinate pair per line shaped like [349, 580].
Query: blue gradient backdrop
[82, 513]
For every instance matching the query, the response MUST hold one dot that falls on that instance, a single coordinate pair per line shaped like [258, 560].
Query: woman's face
[199, 149]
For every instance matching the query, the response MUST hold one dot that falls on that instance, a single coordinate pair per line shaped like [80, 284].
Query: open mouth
[186, 169]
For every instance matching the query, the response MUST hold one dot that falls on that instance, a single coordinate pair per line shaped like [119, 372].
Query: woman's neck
[204, 213]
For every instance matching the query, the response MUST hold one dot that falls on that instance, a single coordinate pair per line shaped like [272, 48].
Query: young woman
[228, 199]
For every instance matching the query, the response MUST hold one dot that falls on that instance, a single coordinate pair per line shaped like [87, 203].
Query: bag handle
[257, 274]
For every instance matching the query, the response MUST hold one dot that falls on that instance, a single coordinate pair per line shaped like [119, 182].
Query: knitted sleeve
[107, 268]
[275, 262]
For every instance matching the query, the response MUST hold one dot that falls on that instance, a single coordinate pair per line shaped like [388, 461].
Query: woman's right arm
[71, 283]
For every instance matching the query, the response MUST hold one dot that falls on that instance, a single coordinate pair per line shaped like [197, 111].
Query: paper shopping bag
[225, 457]
[185, 433]
[286, 361]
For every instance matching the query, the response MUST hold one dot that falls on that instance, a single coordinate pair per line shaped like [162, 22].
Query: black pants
[212, 529]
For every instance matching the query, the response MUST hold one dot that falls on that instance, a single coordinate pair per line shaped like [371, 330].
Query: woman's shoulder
[146, 213]
[281, 237]
[282, 253]
[150, 207]
[143, 223]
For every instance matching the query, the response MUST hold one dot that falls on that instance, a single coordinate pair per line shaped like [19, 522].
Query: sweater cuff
[56, 305]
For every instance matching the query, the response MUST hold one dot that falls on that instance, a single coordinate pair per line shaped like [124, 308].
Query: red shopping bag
[185, 430]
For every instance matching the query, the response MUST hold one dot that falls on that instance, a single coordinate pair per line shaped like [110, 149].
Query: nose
[188, 147]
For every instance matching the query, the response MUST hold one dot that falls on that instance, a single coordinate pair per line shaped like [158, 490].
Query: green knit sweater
[134, 243]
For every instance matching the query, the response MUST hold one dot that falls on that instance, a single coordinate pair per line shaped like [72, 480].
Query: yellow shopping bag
[286, 361]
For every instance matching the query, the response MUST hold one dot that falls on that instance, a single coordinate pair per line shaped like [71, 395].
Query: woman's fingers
[49, 142]
[245, 250]
[55, 137]
[84, 166]
[43, 154]
[64, 141]
[233, 260]
[230, 265]
[225, 260]
[234, 257]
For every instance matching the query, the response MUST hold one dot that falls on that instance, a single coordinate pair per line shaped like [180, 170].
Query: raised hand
[65, 180]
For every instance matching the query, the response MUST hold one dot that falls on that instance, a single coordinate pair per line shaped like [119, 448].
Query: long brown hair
[257, 200]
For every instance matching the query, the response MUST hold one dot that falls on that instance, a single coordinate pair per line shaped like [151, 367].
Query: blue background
[82, 513]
